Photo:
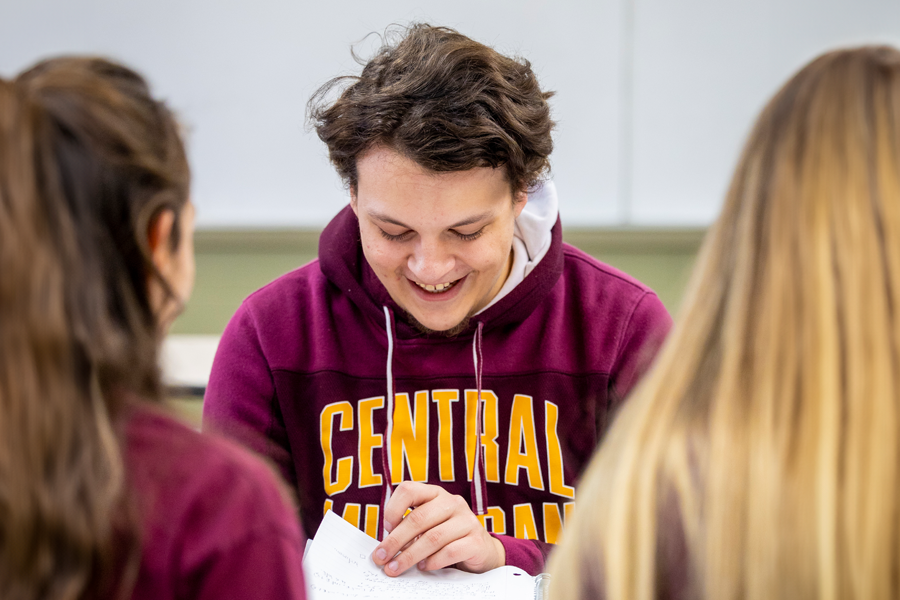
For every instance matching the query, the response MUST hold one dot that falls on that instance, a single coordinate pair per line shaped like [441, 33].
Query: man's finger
[428, 544]
[408, 494]
[455, 552]
[416, 523]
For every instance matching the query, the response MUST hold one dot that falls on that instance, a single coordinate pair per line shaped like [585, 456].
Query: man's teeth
[436, 289]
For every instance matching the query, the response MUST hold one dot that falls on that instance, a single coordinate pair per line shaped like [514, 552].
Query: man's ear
[353, 200]
[519, 201]
[159, 237]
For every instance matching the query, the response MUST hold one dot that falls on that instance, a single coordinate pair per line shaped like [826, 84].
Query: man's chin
[452, 332]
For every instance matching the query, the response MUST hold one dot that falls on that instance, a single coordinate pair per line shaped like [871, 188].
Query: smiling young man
[447, 352]
[440, 243]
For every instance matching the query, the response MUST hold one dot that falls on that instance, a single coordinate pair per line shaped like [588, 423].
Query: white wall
[703, 69]
[653, 96]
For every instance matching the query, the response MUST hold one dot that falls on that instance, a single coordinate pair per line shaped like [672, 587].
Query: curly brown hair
[442, 100]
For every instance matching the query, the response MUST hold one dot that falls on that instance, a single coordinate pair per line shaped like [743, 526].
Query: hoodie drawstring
[387, 484]
[478, 491]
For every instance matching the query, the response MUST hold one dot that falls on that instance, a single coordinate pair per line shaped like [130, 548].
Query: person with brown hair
[760, 458]
[447, 352]
[102, 495]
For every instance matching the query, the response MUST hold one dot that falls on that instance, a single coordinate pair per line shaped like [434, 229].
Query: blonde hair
[759, 458]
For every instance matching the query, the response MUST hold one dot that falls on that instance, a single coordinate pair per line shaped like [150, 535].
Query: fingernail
[421, 565]
[380, 554]
[388, 526]
[394, 565]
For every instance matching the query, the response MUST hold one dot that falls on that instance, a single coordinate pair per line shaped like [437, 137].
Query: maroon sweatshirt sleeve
[265, 565]
[646, 329]
[528, 555]
[217, 522]
[240, 398]
[239, 536]
[644, 333]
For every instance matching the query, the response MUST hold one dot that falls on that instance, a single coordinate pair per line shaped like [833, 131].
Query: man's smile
[438, 288]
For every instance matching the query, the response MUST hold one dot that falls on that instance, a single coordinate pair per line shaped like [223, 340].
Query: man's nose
[431, 262]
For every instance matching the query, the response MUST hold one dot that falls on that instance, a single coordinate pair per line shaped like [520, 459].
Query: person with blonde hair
[760, 458]
[102, 494]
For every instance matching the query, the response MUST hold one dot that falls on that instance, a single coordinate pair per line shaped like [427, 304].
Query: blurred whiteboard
[653, 96]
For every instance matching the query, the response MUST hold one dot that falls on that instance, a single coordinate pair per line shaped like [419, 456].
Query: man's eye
[468, 237]
[393, 238]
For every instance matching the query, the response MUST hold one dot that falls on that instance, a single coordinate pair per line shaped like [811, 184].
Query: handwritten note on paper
[338, 566]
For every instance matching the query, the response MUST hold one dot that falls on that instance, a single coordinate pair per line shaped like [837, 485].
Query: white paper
[339, 566]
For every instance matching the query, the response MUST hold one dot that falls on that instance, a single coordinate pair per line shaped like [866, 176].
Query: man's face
[440, 243]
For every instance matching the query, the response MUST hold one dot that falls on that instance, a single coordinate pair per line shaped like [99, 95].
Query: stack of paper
[338, 565]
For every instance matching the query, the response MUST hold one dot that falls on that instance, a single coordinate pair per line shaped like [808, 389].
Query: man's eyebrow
[378, 216]
[473, 219]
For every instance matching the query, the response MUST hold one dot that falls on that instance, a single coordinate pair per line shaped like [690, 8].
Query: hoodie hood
[537, 265]
[531, 239]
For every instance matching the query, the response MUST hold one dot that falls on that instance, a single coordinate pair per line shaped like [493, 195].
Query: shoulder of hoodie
[288, 289]
[193, 485]
[584, 266]
[613, 298]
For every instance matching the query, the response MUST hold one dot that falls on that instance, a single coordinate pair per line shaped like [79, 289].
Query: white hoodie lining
[531, 238]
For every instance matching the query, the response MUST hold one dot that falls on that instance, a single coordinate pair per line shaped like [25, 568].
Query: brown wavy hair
[442, 100]
[760, 458]
[87, 160]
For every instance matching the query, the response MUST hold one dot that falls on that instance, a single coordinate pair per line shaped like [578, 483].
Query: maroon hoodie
[216, 522]
[304, 369]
